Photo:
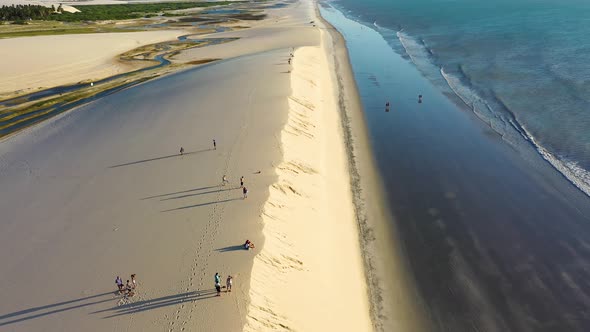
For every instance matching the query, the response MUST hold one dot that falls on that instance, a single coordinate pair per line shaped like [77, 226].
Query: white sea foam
[501, 121]
[477, 104]
[572, 170]
[417, 51]
[421, 56]
[512, 132]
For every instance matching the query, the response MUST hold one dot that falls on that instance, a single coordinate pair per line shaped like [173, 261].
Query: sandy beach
[101, 191]
[69, 59]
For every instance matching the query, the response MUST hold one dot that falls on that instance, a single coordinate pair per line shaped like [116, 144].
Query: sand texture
[101, 191]
[307, 276]
[30, 63]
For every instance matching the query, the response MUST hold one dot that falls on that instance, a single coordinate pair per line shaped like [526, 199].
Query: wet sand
[494, 240]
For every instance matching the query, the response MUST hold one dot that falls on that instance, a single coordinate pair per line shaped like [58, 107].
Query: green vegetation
[98, 12]
[128, 11]
[44, 28]
[21, 13]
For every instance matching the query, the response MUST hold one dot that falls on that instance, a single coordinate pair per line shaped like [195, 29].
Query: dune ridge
[309, 274]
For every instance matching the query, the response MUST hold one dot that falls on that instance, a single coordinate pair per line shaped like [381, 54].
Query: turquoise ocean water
[521, 65]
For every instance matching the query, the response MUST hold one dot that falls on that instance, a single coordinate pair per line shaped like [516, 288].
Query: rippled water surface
[522, 65]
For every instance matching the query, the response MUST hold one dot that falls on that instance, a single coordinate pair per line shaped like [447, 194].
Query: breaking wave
[492, 111]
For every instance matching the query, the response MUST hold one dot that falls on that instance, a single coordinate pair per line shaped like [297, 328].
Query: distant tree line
[96, 12]
[25, 12]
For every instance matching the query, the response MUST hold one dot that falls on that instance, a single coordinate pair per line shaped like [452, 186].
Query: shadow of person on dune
[197, 194]
[231, 248]
[23, 315]
[203, 204]
[160, 302]
[159, 158]
[180, 192]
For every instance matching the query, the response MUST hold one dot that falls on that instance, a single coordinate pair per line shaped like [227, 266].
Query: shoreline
[472, 211]
[391, 308]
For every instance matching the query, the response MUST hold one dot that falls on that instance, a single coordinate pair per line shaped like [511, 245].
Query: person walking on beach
[242, 181]
[245, 192]
[218, 283]
[129, 289]
[224, 180]
[228, 283]
[214, 145]
[181, 150]
[133, 281]
[119, 283]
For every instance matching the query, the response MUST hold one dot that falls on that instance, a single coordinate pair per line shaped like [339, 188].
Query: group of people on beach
[225, 181]
[387, 103]
[229, 281]
[128, 289]
[214, 147]
[291, 56]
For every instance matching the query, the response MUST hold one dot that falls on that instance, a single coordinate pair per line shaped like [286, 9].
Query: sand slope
[309, 275]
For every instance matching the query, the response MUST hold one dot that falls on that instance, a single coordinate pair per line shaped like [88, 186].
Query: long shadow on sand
[165, 301]
[197, 194]
[158, 158]
[231, 248]
[203, 204]
[54, 311]
[180, 192]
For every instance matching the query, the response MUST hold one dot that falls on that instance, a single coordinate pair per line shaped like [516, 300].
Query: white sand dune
[306, 278]
[31, 63]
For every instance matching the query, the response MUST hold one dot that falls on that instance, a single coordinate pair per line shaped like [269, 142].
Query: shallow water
[521, 65]
[496, 238]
